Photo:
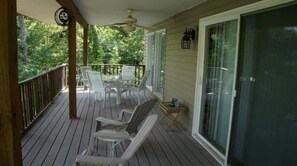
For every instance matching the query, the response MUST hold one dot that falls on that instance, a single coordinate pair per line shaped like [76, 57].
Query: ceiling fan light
[130, 20]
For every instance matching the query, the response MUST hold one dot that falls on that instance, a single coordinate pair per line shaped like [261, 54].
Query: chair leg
[90, 148]
[95, 93]
[112, 147]
[138, 97]
[122, 146]
[103, 104]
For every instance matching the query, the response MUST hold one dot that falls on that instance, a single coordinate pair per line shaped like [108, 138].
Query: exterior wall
[181, 64]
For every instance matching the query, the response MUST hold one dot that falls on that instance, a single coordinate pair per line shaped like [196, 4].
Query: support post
[10, 117]
[72, 67]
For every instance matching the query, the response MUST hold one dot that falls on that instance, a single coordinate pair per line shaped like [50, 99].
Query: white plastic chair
[84, 77]
[119, 129]
[141, 86]
[138, 114]
[136, 142]
[97, 85]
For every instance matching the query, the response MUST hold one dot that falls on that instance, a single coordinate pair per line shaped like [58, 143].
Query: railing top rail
[110, 64]
[39, 75]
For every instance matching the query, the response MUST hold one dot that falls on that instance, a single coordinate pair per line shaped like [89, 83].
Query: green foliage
[47, 47]
[131, 48]
[115, 46]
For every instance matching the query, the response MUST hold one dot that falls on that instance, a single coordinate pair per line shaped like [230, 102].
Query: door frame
[157, 62]
[150, 57]
[155, 76]
[218, 18]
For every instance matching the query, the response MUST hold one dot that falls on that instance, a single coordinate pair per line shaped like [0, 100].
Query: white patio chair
[136, 142]
[140, 87]
[128, 72]
[97, 85]
[119, 127]
[84, 77]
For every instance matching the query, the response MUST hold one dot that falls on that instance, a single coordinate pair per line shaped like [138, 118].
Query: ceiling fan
[129, 23]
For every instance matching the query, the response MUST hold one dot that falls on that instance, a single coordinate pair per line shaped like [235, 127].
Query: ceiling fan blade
[144, 27]
[116, 24]
[120, 23]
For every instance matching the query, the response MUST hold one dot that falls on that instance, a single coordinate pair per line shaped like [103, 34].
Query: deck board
[56, 140]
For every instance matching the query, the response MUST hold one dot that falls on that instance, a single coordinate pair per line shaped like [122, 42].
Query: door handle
[251, 79]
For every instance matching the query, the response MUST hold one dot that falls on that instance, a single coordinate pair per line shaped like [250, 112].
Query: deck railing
[115, 69]
[38, 92]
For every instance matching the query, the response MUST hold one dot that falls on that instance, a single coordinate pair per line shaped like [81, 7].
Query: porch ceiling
[95, 12]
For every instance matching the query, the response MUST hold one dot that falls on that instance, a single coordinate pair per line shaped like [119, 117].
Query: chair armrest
[129, 111]
[98, 160]
[109, 121]
[112, 135]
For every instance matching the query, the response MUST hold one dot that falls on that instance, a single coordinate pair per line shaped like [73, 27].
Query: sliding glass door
[150, 58]
[217, 87]
[257, 93]
[217, 70]
[159, 63]
[155, 51]
[265, 120]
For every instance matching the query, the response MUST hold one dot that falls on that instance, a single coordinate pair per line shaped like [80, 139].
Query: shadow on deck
[56, 140]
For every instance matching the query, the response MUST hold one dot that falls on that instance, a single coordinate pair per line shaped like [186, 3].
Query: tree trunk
[23, 38]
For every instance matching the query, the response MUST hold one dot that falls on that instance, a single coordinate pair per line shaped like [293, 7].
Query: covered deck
[56, 140]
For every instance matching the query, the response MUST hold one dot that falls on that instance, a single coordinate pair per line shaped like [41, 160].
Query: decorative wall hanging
[62, 16]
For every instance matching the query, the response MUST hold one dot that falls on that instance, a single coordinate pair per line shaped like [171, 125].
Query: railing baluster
[38, 92]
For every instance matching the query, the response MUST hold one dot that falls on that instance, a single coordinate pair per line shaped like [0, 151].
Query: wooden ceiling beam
[75, 12]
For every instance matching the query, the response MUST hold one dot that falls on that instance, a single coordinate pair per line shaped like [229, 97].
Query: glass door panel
[264, 130]
[159, 67]
[150, 58]
[219, 71]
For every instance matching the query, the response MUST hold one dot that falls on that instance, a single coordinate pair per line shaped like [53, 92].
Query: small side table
[171, 113]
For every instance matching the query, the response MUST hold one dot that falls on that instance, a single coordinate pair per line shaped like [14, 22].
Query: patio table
[117, 82]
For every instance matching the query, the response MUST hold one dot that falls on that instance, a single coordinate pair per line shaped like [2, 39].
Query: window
[155, 56]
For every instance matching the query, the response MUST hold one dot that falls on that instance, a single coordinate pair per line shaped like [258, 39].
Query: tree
[45, 49]
[43, 46]
[131, 48]
[23, 38]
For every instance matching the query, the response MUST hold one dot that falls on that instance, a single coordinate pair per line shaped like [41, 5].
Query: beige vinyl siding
[181, 64]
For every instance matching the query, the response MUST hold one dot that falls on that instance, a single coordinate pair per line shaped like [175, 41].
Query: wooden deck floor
[56, 140]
